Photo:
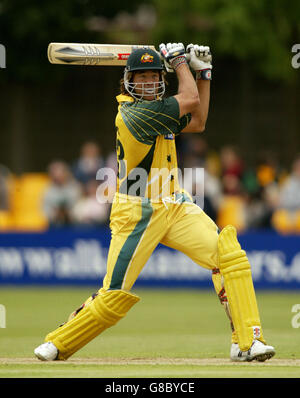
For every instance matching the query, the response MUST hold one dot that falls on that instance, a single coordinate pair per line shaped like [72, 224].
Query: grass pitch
[168, 334]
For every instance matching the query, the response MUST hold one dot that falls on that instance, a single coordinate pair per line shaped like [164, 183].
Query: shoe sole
[262, 357]
[259, 357]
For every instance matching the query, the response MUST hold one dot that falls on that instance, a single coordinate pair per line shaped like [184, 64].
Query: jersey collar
[124, 98]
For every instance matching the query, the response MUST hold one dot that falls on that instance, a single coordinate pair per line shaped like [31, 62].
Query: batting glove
[173, 55]
[200, 58]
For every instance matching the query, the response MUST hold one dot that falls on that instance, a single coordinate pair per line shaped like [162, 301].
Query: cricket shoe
[258, 352]
[46, 352]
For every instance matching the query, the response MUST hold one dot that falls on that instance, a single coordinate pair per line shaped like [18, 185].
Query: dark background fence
[43, 121]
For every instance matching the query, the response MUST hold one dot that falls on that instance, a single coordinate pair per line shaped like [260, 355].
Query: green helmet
[144, 58]
[139, 60]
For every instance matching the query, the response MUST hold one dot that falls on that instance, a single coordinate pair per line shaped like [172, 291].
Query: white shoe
[258, 351]
[46, 352]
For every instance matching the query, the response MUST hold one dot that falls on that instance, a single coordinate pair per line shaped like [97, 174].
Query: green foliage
[27, 27]
[258, 32]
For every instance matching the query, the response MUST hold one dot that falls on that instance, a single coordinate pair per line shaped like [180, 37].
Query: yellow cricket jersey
[146, 151]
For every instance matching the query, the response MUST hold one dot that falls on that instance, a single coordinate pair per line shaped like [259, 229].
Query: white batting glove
[173, 55]
[199, 58]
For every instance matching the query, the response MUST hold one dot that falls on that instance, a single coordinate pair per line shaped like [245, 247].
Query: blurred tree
[26, 29]
[257, 32]
[28, 26]
[251, 38]
[251, 43]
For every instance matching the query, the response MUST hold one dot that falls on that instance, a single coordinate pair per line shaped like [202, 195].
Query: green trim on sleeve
[148, 119]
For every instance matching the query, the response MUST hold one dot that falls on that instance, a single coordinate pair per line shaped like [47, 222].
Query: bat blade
[91, 54]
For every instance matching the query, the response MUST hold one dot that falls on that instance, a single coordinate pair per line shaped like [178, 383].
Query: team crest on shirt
[169, 136]
[146, 58]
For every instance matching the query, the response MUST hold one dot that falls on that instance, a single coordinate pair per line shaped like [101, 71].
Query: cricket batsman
[150, 207]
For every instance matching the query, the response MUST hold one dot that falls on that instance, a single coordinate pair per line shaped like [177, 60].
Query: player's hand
[173, 55]
[199, 57]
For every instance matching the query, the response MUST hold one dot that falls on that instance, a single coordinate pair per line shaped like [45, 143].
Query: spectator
[232, 185]
[231, 162]
[268, 169]
[89, 162]
[261, 187]
[4, 195]
[89, 210]
[196, 148]
[205, 189]
[286, 218]
[112, 162]
[232, 209]
[61, 195]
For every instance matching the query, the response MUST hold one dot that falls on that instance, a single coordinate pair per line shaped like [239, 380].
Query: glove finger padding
[199, 59]
[163, 51]
[190, 51]
[189, 47]
[203, 53]
[173, 55]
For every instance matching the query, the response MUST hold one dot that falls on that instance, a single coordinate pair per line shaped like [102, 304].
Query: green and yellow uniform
[159, 212]
[154, 209]
[146, 143]
[149, 208]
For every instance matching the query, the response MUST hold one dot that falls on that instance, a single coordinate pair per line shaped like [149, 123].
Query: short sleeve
[148, 119]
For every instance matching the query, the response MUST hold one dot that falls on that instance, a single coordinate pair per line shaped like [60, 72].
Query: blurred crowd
[263, 196]
[72, 198]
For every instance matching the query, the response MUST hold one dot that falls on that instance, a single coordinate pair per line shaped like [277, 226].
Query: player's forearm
[200, 62]
[201, 113]
[187, 96]
[186, 82]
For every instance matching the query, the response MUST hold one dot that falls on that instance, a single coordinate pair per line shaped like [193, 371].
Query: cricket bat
[91, 54]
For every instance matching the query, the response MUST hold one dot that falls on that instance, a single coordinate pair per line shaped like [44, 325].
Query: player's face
[146, 83]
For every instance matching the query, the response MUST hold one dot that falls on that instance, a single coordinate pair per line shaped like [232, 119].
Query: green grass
[164, 325]
[149, 371]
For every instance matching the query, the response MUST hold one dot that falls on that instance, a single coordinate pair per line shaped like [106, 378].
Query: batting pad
[104, 311]
[236, 271]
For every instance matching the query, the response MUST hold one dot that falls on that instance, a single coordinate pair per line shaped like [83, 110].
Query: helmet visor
[147, 91]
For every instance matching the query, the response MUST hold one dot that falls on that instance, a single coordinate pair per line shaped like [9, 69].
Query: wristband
[176, 62]
[204, 74]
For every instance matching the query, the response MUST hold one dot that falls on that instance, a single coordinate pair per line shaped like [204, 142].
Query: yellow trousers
[138, 226]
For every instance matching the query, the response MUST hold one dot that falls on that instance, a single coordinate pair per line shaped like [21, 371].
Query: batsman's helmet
[144, 58]
[139, 60]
